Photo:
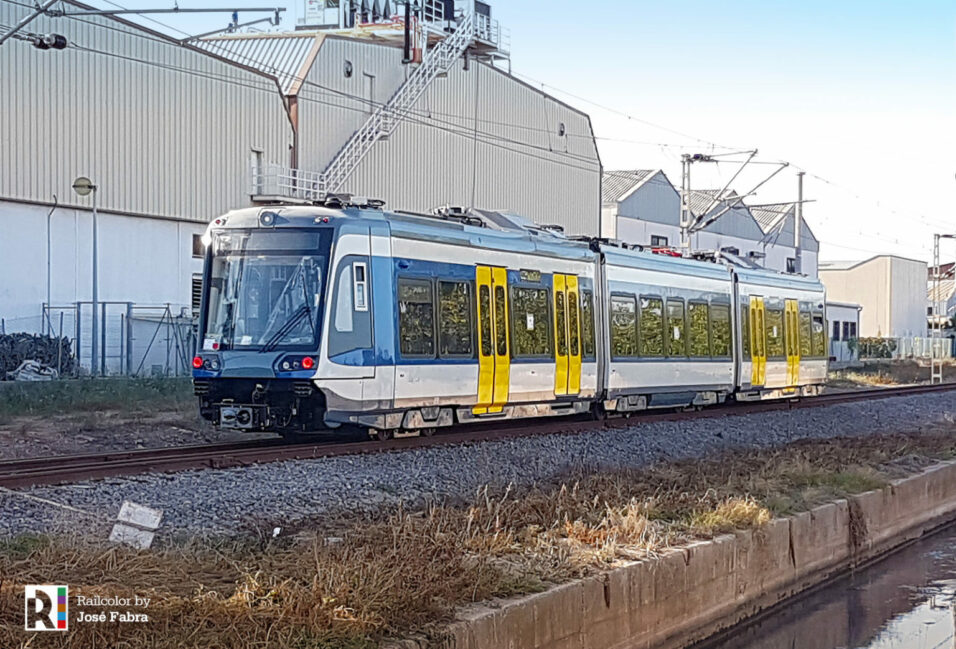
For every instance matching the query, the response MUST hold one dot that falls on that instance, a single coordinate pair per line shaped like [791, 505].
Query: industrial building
[643, 207]
[173, 133]
[891, 291]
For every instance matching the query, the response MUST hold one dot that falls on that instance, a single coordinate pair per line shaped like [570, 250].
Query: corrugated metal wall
[518, 161]
[162, 129]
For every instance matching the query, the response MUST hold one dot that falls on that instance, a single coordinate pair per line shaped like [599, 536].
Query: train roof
[501, 231]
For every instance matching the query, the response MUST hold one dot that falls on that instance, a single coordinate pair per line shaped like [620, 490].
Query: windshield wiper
[293, 320]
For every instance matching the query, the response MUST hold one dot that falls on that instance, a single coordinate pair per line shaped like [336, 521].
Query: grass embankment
[123, 395]
[348, 583]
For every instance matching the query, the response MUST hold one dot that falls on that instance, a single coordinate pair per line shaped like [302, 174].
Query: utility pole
[84, 186]
[798, 226]
[685, 215]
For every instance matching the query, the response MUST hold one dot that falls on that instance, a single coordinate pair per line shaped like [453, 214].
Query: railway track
[73, 468]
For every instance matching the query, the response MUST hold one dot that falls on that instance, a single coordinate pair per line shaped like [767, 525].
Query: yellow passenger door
[494, 362]
[792, 323]
[758, 342]
[567, 336]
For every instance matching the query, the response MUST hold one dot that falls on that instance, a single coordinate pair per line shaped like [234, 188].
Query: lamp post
[936, 339]
[83, 187]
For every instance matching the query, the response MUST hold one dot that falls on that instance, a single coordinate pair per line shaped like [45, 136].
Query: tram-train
[315, 317]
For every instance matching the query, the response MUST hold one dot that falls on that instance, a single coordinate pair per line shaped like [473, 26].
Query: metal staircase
[387, 117]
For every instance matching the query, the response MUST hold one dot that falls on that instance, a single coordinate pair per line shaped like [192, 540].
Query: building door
[567, 335]
[758, 342]
[494, 356]
[792, 337]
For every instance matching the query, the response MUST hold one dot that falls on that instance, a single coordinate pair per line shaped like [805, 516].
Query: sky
[859, 95]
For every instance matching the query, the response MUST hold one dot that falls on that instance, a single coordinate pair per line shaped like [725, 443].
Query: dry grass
[406, 571]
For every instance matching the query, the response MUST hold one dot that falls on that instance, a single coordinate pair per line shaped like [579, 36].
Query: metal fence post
[129, 338]
[59, 348]
[78, 332]
[103, 339]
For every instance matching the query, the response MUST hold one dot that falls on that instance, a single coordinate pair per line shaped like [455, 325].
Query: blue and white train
[317, 317]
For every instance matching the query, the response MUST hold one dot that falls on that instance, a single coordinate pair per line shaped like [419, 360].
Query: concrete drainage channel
[692, 593]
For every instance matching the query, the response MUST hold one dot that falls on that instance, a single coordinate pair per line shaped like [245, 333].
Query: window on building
[652, 326]
[676, 328]
[454, 319]
[587, 324]
[791, 265]
[853, 331]
[658, 242]
[196, 294]
[199, 250]
[416, 317]
[836, 330]
[774, 326]
[819, 334]
[699, 329]
[623, 326]
[720, 329]
[929, 310]
[530, 322]
[846, 330]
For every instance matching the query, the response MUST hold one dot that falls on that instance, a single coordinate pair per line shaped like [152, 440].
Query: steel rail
[29, 472]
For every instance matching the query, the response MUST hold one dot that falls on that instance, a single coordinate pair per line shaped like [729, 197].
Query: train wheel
[385, 434]
[598, 412]
[428, 432]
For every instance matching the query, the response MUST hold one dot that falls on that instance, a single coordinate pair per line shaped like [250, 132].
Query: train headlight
[267, 219]
[286, 365]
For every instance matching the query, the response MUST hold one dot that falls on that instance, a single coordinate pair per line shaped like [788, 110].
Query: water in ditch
[906, 601]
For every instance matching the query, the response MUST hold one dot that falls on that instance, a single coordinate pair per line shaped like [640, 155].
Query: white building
[174, 134]
[844, 321]
[643, 207]
[891, 291]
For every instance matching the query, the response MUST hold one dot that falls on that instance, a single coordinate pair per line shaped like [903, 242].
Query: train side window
[774, 327]
[561, 320]
[806, 344]
[573, 331]
[530, 322]
[699, 333]
[623, 326]
[501, 321]
[587, 324]
[454, 319]
[720, 329]
[819, 334]
[351, 327]
[360, 285]
[416, 317]
[484, 306]
[652, 326]
[744, 330]
[676, 328]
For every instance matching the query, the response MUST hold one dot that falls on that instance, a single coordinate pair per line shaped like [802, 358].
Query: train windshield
[265, 290]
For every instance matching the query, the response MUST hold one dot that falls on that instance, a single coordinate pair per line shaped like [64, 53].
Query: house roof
[618, 185]
[285, 56]
[946, 289]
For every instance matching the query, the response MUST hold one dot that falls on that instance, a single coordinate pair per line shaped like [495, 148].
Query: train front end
[264, 294]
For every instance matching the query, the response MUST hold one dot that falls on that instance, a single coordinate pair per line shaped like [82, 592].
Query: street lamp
[936, 339]
[83, 187]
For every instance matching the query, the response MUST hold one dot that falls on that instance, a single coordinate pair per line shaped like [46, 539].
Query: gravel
[278, 494]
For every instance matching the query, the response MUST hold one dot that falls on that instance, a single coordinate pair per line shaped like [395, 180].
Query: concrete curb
[690, 593]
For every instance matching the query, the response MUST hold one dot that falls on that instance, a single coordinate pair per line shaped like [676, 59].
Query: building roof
[285, 56]
[771, 217]
[618, 185]
[702, 199]
[946, 289]
[826, 266]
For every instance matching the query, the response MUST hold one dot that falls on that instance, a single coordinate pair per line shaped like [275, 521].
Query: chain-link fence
[131, 339]
[906, 347]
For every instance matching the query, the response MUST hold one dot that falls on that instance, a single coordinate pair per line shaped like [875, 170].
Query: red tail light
[197, 362]
[308, 363]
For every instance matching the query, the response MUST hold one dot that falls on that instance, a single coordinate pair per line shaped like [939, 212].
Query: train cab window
[416, 317]
[454, 319]
[623, 326]
[351, 326]
[774, 327]
[744, 331]
[720, 329]
[652, 326]
[806, 346]
[587, 324]
[676, 328]
[699, 329]
[530, 322]
[484, 308]
[561, 323]
[501, 321]
[819, 334]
